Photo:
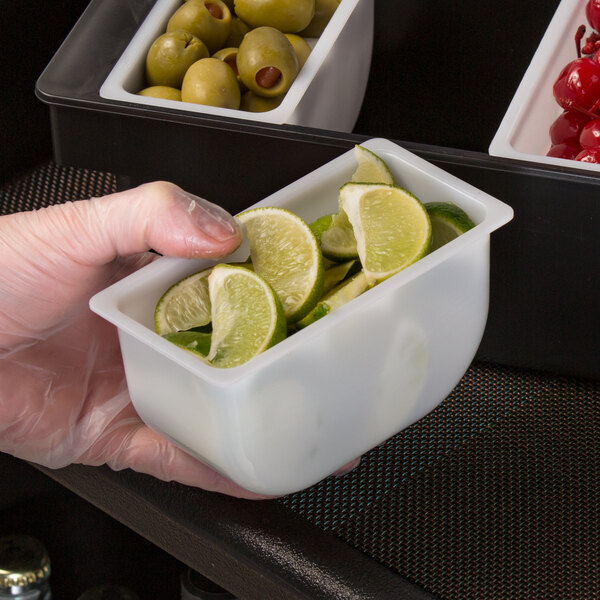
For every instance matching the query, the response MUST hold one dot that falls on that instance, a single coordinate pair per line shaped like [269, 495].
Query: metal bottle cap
[24, 564]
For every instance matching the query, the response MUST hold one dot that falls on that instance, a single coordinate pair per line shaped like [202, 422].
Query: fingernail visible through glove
[210, 218]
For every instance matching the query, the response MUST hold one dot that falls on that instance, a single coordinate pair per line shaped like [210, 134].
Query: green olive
[229, 56]
[266, 62]
[289, 16]
[324, 10]
[301, 47]
[210, 81]
[161, 91]
[209, 20]
[170, 56]
[253, 103]
[236, 34]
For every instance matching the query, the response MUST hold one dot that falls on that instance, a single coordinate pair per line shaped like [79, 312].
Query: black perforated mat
[50, 184]
[494, 495]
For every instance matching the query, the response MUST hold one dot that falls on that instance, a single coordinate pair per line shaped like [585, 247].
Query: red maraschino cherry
[590, 134]
[578, 84]
[567, 126]
[589, 155]
[565, 150]
[592, 12]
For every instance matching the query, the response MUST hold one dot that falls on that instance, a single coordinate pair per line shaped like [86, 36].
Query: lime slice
[340, 295]
[371, 168]
[391, 227]
[184, 305]
[337, 241]
[286, 253]
[247, 315]
[193, 341]
[448, 221]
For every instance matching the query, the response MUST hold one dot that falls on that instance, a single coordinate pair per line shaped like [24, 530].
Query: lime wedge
[193, 341]
[336, 274]
[334, 231]
[391, 227]
[371, 168]
[337, 241]
[285, 252]
[184, 305]
[448, 221]
[247, 315]
[320, 225]
[338, 296]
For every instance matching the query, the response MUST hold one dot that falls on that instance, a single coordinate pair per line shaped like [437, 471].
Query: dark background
[31, 32]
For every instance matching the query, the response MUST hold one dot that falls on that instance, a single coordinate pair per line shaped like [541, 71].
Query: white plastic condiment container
[325, 395]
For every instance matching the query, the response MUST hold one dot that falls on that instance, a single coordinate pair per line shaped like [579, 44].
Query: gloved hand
[63, 396]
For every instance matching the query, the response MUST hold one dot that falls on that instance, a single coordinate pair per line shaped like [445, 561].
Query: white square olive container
[330, 392]
[327, 93]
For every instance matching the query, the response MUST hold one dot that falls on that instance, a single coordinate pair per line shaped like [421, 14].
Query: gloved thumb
[163, 217]
[169, 220]
[159, 216]
[58, 256]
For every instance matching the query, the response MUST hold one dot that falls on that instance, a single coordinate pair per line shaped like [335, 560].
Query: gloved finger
[54, 259]
[58, 395]
[132, 444]
[158, 215]
[163, 217]
[348, 467]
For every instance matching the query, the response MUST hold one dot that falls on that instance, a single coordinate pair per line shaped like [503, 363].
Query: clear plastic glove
[63, 396]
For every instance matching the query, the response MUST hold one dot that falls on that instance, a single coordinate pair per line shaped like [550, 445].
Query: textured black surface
[493, 496]
[48, 184]
[484, 396]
